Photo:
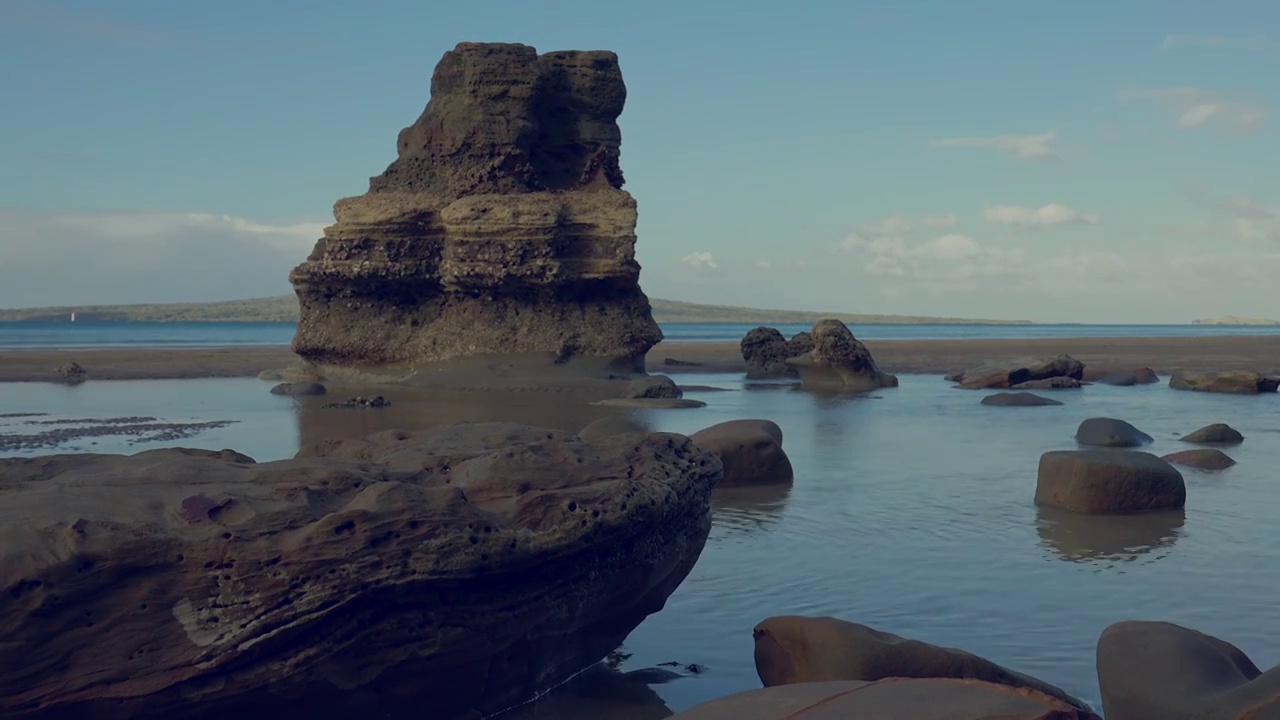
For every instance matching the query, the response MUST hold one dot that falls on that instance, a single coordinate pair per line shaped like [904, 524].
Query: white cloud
[763, 265]
[941, 222]
[1020, 147]
[1043, 216]
[1217, 42]
[111, 258]
[1193, 107]
[700, 260]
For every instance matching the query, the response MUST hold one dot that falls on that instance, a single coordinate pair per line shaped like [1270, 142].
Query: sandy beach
[1164, 355]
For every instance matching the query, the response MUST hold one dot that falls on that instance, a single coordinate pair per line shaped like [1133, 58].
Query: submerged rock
[464, 567]
[1008, 373]
[750, 450]
[1108, 482]
[1017, 399]
[298, 389]
[839, 361]
[654, 387]
[1111, 433]
[1235, 382]
[765, 351]
[501, 229]
[1126, 378]
[1215, 434]
[1201, 459]
[1053, 383]
[1159, 670]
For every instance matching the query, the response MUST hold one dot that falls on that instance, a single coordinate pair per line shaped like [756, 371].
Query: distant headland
[1235, 320]
[284, 308]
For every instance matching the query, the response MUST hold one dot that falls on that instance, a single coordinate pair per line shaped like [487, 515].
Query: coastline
[1164, 355]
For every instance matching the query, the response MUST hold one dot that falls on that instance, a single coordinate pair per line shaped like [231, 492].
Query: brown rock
[653, 387]
[465, 567]
[1017, 399]
[1110, 433]
[298, 389]
[799, 344]
[1013, 372]
[1158, 670]
[1108, 482]
[1237, 382]
[839, 361]
[70, 374]
[1215, 434]
[1123, 378]
[611, 426]
[765, 352]
[1053, 383]
[792, 649]
[501, 229]
[750, 450]
[1201, 459]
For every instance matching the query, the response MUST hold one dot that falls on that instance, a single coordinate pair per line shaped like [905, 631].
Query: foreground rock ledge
[501, 229]
[459, 569]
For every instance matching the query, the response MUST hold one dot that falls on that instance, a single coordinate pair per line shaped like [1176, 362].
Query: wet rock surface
[1007, 373]
[1214, 434]
[1053, 383]
[1125, 378]
[750, 450]
[1234, 382]
[70, 374]
[1110, 433]
[839, 362]
[298, 389]
[766, 351]
[653, 387]
[1208, 459]
[1018, 399]
[67, 431]
[360, 401]
[1108, 482]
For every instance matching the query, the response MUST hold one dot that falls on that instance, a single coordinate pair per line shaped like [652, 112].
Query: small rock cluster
[360, 401]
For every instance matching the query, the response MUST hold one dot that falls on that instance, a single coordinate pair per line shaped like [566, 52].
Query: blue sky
[1103, 162]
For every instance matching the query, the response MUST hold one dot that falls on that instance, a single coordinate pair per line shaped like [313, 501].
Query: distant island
[284, 308]
[1235, 320]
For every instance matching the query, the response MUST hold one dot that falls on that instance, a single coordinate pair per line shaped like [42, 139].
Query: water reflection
[749, 508]
[1076, 537]
[600, 692]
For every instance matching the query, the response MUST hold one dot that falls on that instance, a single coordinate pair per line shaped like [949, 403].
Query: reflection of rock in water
[748, 508]
[600, 692]
[1076, 537]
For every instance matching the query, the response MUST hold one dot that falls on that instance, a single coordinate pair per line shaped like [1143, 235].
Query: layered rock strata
[460, 569]
[500, 229]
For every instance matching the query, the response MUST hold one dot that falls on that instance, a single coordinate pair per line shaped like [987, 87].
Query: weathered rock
[1150, 670]
[1201, 459]
[1237, 382]
[1017, 399]
[1125, 378]
[765, 352]
[501, 229]
[1215, 434]
[799, 344]
[1111, 433]
[466, 567]
[70, 374]
[1108, 482]
[653, 387]
[794, 649]
[298, 389]
[1013, 372]
[889, 699]
[613, 425]
[360, 401]
[750, 450]
[1053, 383]
[839, 361]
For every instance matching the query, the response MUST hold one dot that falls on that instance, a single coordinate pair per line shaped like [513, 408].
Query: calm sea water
[911, 512]
[221, 334]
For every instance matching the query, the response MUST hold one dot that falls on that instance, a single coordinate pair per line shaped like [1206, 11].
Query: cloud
[1020, 147]
[1251, 221]
[117, 258]
[1043, 216]
[700, 260]
[1193, 108]
[1217, 42]
[941, 222]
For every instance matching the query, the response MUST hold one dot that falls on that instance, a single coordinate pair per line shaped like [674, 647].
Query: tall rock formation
[501, 229]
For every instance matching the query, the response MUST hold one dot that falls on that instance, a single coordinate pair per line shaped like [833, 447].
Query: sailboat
[73, 317]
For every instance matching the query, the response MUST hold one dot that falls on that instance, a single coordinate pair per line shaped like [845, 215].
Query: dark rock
[1125, 378]
[672, 362]
[467, 567]
[1017, 399]
[793, 649]
[501, 229]
[765, 352]
[653, 387]
[799, 344]
[839, 362]
[1215, 434]
[1014, 372]
[1236, 382]
[1208, 459]
[1162, 671]
[360, 401]
[750, 450]
[1053, 383]
[1111, 433]
[70, 374]
[298, 389]
[1108, 482]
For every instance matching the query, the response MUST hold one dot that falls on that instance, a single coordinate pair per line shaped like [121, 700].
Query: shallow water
[911, 512]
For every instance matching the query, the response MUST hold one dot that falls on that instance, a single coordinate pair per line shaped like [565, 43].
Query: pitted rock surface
[839, 361]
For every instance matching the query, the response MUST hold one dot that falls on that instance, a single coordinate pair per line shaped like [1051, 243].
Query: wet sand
[1164, 355]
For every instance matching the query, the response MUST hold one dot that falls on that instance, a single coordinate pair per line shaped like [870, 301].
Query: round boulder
[1111, 433]
[750, 450]
[653, 387]
[1234, 382]
[1108, 482]
[1215, 434]
[1126, 378]
[70, 374]
[298, 389]
[765, 352]
[1017, 399]
[1208, 459]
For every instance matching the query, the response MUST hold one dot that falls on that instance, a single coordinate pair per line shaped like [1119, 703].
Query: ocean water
[223, 334]
[911, 511]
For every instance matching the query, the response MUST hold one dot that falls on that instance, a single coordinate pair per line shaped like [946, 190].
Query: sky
[1112, 162]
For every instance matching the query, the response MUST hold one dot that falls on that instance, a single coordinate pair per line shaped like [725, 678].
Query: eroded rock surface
[766, 351]
[839, 361]
[1235, 382]
[464, 568]
[1110, 433]
[501, 229]
[1125, 378]
[1053, 383]
[1208, 459]
[1214, 434]
[1108, 482]
[1004, 374]
[750, 450]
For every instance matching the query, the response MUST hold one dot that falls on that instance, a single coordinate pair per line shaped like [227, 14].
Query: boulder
[1053, 383]
[70, 374]
[653, 387]
[1208, 459]
[750, 450]
[1159, 670]
[1237, 382]
[466, 567]
[1014, 372]
[298, 389]
[793, 649]
[839, 361]
[1111, 433]
[612, 425]
[1214, 434]
[501, 230]
[1017, 399]
[765, 351]
[888, 699]
[1125, 378]
[1108, 482]
[799, 344]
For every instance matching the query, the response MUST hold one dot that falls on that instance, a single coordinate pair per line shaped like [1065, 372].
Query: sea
[911, 511]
